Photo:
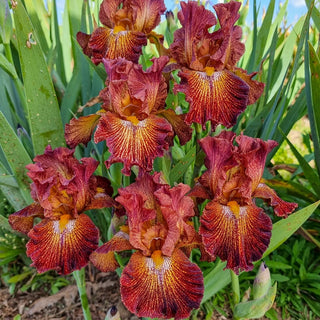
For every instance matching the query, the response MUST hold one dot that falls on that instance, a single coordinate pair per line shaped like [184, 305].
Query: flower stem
[79, 276]
[235, 288]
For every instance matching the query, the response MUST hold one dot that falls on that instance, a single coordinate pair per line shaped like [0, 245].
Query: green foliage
[44, 78]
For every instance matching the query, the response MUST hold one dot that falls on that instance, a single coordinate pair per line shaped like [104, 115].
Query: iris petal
[237, 234]
[103, 258]
[80, 130]
[109, 44]
[22, 220]
[134, 142]
[64, 245]
[219, 97]
[281, 208]
[177, 209]
[160, 286]
[147, 14]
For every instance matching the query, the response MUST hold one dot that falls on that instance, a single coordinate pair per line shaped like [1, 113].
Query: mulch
[103, 294]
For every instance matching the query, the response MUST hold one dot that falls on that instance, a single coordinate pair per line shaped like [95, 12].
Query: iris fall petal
[103, 258]
[63, 245]
[219, 97]
[281, 208]
[133, 142]
[237, 234]
[160, 286]
[22, 220]
[80, 130]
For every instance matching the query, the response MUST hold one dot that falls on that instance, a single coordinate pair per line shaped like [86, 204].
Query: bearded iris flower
[215, 88]
[133, 121]
[127, 26]
[62, 189]
[159, 280]
[232, 226]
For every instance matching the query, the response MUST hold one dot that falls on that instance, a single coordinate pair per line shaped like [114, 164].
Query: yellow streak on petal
[157, 258]
[234, 207]
[64, 219]
[100, 190]
[125, 229]
[133, 120]
[117, 29]
[209, 70]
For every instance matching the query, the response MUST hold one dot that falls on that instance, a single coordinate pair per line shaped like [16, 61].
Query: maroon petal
[239, 235]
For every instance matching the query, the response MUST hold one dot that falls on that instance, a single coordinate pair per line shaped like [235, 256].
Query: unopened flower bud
[262, 282]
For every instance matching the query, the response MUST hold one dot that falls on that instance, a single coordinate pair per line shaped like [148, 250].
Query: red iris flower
[215, 88]
[232, 226]
[62, 189]
[159, 281]
[127, 25]
[133, 121]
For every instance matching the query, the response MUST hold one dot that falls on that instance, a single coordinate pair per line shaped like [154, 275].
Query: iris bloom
[159, 281]
[133, 121]
[215, 88]
[232, 226]
[127, 25]
[62, 189]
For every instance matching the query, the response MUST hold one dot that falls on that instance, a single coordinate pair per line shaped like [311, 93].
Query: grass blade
[43, 109]
[313, 98]
[16, 156]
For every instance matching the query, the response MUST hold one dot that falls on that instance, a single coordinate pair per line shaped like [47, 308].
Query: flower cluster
[137, 126]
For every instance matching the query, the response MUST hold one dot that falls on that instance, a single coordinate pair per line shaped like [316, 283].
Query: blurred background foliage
[45, 78]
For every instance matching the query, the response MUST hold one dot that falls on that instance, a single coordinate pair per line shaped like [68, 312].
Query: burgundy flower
[133, 122]
[215, 88]
[62, 189]
[232, 226]
[127, 25]
[159, 280]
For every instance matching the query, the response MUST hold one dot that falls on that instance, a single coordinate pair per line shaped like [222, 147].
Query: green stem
[79, 276]
[8, 52]
[197, 166]
[235, 288]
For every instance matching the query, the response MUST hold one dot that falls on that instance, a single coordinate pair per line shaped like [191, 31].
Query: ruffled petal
[177, 209]
[83, 40]
[101, 194]
[23, 219]
[160, 286]
[252, 154]
[180, 128]
[146, 14]
[219, 159]
[111, 44]
[103, 258]
[195, 21]
[108, 11]
[63, 245]
[281, 208]
[219, 97]
[228, 36]
[149, 86]
[80, 130]
[255, 87]
[140, 205]
[237, 234]
[133, 142]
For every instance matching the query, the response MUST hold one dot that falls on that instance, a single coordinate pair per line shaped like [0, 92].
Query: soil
[103, 294]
